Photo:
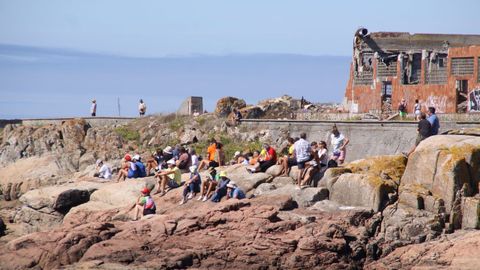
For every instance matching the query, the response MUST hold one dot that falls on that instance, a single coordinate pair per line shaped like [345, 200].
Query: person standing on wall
[142, 108]
[93, 108]
[402, 109]
[433, 119]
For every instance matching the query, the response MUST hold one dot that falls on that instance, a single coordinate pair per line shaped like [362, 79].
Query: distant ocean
[39, 82]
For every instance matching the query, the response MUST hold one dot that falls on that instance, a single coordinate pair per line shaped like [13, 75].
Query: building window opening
[462, 91]
[411, 68]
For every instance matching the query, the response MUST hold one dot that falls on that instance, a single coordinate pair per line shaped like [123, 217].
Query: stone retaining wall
[93, 121]
[367, 138]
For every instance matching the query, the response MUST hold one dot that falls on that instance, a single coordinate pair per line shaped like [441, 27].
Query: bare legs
[122, 174]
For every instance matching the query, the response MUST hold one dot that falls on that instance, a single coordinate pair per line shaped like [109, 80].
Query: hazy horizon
[50, 82]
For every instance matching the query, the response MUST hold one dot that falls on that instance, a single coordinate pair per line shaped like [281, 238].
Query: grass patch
[128, 134]
[177, 123]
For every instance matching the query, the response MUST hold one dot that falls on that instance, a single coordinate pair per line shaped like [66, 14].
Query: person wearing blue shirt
[433, 119]
[234, 192]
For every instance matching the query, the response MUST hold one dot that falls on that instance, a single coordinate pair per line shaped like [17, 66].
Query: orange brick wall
[441, 96]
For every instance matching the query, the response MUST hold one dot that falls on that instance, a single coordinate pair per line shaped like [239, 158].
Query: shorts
[172, 184]
[291, 162]
[213, 164]
[402, 114]
[264, 165]
[339, 155]
[419, 139]
[94, 114]
[148, 212]
[301, 165]
[142, 113]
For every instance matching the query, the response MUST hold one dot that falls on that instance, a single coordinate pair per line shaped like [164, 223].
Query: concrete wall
[93, 121]
[366, 138]
[190, 105]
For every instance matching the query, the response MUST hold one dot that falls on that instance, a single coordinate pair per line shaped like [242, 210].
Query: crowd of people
[168, 164]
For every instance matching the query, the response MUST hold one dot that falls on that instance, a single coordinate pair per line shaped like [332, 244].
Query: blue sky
[98, 48]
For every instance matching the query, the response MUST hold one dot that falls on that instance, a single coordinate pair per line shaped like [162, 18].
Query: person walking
[142, 108]
[93, 108]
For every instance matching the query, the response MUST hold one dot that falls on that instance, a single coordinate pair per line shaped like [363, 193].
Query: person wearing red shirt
[267, 160]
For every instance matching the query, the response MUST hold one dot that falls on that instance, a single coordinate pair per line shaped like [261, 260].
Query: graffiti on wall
[474, 100]
[438, 102]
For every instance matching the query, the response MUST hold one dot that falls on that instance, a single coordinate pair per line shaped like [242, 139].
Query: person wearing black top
[424, 129]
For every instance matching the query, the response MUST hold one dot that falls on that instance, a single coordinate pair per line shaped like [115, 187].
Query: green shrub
[128, 134]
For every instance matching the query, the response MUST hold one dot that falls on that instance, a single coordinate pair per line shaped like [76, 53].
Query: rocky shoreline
[383, 212]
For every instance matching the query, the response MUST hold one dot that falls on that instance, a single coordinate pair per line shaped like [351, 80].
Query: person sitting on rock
[289, 160]
[210, 160]
[145, 205]
[221, 189]
[254, 158]
[194, 157]
[184, 160]
[268, 159]
[234, 192]
[339, 143]
[103, 170]
[128, 168]
[311, 167]
[141, 171]
[237, 117]
[192, 185]
[167, 155]
[170, 176]
[208, 186]
[152, 163]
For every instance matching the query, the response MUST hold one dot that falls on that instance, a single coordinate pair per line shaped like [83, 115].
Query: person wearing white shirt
[93, 108]
[339, 143]
[104, 170]
[303, 153]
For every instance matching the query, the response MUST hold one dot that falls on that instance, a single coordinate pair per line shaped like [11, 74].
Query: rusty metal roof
[403, 41]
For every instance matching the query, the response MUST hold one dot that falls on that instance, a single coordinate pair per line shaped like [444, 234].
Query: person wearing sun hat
[234, 192]
[192, 185]
[221, 190]
[171, 176]
[145, 204]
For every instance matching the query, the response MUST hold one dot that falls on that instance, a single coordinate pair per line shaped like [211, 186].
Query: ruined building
[439, 70]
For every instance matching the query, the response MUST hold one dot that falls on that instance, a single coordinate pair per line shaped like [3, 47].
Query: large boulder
[362, 190]
[304, 197]
[457, 251]
[244, 179]
[111, 200]
[30, 173]
[227, 104]
[44, 208]
[442, 170]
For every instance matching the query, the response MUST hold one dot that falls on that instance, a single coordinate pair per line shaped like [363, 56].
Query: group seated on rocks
[168, 164]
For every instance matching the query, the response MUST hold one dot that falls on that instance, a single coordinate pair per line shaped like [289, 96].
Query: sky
[68, 50]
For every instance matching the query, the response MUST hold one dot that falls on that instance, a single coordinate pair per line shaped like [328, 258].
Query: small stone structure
[190, 106]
